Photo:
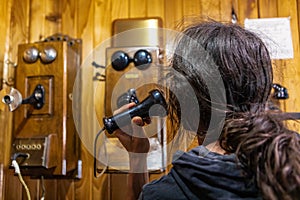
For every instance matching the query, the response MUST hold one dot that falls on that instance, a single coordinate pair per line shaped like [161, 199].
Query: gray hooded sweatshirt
[201, 174]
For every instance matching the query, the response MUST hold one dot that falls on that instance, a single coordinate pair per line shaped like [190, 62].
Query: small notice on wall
[276, 33]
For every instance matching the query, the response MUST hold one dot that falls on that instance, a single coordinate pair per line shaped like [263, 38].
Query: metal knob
[120, 60]
[142, 59]
[48, 55]
[31, 55]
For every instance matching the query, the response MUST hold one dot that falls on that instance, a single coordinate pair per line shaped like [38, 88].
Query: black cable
[19, 154]
[95, 149]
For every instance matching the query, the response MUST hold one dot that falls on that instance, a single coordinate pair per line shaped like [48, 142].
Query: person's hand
[134, 140]
[133, 137]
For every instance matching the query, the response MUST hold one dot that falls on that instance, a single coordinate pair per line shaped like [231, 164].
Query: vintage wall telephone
[133, 68]
[44, 139]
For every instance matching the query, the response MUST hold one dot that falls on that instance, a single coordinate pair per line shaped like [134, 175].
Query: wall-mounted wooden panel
[32, 20]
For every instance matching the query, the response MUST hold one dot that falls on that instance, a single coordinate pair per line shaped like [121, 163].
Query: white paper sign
[276, 34]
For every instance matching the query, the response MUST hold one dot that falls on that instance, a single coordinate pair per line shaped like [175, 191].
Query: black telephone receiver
[128, 97]
[153, 105]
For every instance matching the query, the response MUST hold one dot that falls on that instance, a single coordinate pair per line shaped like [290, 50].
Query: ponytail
[268, 151]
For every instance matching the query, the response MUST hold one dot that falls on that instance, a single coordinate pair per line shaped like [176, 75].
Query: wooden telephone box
[133, 62]
[45, 130]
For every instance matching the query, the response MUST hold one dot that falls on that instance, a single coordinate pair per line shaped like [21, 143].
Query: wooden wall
[32, 20]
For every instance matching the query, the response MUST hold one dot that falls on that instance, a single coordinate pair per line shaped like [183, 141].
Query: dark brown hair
[265, 147]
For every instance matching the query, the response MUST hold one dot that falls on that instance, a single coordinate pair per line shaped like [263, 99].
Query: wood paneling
[137, 8]
[156, 8]
[211, 9]
[37, 22]
[69, 18]
[290, 67]
[226, 7]
[192, 8]
[32, 20]
[173, 13]
[247, 9]
[5, 117]
[16, 32]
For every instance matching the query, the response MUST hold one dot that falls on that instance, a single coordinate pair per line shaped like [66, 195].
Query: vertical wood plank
[51, 189]
[4, 26]
[235, 8]
[77, 20]
[19, 25]
[102, 21]
[104, 25]
[290, 67]
[173, 13]
[5, 116]
[52, 17]
[267, 8]
[17, 33]
[137, 8]
[226, 7]
[156, 8]
[5, 18]
[83, 187]
[298, 12]
[37, 20]
[85, 31]
[68, 18]
[13, 188]
[102, 32]
[211, 9]
[118, 189]
[2, 185]
[119, 9]
[247, 9]
[191, 8]
[32, 186]
[100, 185]
[85, 24]
[65, 189]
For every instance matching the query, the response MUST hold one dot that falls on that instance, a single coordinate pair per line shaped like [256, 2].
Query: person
[255, 156]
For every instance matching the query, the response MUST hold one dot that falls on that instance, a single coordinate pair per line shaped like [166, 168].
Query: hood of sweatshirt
[201, 173]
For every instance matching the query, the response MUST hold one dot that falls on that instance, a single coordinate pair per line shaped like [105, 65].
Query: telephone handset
[153, 105]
